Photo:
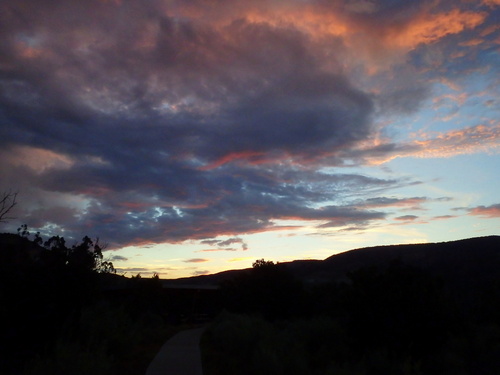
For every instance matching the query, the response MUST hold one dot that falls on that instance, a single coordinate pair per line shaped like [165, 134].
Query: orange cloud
[430, 28]
[309, 20]
[465, 141]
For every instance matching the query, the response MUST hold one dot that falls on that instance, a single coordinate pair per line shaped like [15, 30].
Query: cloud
[430, 27]
[212, 250]
[394, 202]
[463, 141]
[169, 121]
[196, 260]
[491, 3]
[469, 140]
[348, 216]
[118, 258]
[222, 244]
[406, 218]
[444, 217]
[490, 212]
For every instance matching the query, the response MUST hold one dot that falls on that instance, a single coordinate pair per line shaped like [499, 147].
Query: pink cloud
[474, 139]
[490, 212]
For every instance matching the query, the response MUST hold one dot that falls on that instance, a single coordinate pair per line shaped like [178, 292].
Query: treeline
[395, 319]
[61, 315]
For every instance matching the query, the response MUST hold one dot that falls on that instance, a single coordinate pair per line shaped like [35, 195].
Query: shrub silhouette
[267, 288]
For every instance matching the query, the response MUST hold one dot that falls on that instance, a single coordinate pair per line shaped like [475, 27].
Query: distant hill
[474, 260]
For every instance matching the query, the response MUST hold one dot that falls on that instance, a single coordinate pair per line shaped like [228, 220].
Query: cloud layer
[163, 121]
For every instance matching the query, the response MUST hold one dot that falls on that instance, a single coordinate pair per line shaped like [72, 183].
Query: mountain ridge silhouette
[475, 260]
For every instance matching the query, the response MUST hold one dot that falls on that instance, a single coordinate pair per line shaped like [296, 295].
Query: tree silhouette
[267, 288]
[261, 263]
[85, 256]
[23, 231]
[7, 203]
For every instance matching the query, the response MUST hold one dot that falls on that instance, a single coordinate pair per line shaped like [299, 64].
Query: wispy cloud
[118, 258]
[196, 260]
[480, 138]
[406, 218]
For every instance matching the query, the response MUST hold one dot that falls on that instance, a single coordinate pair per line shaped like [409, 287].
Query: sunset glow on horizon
[197, 136]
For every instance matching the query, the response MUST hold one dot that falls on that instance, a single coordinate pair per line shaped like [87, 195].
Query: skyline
[198, 136]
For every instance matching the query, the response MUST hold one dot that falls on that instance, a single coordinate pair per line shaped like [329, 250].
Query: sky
[196, 136]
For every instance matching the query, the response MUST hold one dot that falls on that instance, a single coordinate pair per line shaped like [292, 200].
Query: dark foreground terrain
[410, 309]
[407, 309]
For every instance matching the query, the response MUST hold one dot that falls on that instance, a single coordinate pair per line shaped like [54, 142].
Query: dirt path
[179, 356]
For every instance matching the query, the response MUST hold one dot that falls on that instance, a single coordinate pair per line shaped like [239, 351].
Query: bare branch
[7, 202]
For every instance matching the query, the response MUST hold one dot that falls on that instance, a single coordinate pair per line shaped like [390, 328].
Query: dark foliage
[404, 310]
[42, 290]
[66, 312]
[268, 288]
[390, 318]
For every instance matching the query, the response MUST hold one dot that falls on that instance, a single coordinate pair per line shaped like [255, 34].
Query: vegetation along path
[179, 356]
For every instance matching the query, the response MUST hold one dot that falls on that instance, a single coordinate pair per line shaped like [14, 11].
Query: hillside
[407, 309]
[474, 260]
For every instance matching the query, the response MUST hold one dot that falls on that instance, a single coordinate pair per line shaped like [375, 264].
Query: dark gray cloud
[406, 99]
[223, 244]
[118, 258]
